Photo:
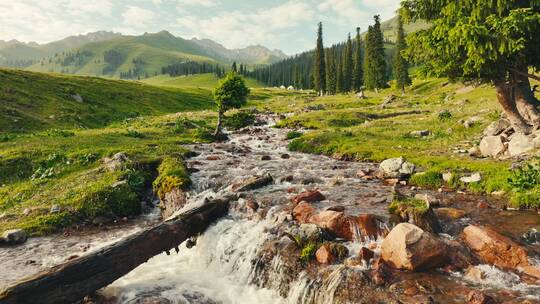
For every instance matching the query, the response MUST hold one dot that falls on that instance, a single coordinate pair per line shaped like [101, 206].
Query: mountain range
[110, 54]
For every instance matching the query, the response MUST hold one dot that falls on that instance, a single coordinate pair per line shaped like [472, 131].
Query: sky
[288, 25]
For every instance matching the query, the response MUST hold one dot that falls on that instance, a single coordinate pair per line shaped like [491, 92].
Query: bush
[59, 133]
[431, 179]
[524, 178]
[294, 134]
[239, 120]
[134, 133]
[444, 115]
[308, 252]
[172, 174]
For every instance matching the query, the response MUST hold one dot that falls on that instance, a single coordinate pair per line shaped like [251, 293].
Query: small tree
[401, 66]
[231, 93]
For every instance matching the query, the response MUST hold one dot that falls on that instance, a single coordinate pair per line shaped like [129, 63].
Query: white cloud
[237, 29]
[138, 17]
[204, 3]
[348, 11]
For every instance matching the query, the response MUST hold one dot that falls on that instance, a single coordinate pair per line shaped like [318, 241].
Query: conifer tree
[319, 64]
[401, 66]
[375, 76]
[234, 68]
[339, 75]
[331, 72]
[358, 73]
[347, 65]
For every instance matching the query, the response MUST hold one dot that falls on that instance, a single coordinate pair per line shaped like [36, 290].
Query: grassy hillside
[207, 81]
[148, 53]
[36, 101]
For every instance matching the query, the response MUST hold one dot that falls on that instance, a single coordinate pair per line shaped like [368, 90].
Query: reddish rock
[324, 254]
[391, 181]
[380, 272]
[336, 208]
[532, 271]
[449, 213]
[495, 249]
[482, 205]
[291, 190]
[478, 297]
[213, 157]
[411, 248]
[309, 196]
[367, 225]
[253, 205]
[366, 254]
[302, 212]
[335, 222]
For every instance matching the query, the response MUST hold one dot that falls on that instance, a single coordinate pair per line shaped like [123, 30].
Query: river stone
[494, 248]
[336, 223]
[309, 196]
[396, 167]
[492, 146]
[473, 178]
[15, 236]
[497, 127]
[410, 248]
[302, 212]
[520, 144]
[450, 213]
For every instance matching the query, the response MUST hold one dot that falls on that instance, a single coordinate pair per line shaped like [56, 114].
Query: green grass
[345, 127]
[36, 102]
[207, 81]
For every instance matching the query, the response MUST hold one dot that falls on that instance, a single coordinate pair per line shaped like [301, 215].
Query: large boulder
[367, 225]
[396, 167]
[331, 252]
[14, 237]
[494, 248]
[302, 212]
[520, 144]
[336, 223]
[492, 146]
[410, 248]
[497, 127]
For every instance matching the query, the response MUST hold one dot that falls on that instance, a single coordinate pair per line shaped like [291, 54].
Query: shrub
[172, 174]
[432, 179]
[444, 115]
[294, 134]
[308, 252]
[239, 120]
[524, 178]
[134, 133]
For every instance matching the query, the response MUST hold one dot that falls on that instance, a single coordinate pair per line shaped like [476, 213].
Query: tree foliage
[319, 64]
[231, 93]
[401, 66]
[375, 74]
[358, 78]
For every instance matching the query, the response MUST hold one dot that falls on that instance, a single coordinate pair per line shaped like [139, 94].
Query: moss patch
[172, 173]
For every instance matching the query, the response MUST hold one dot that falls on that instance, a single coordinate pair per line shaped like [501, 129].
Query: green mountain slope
[36, 101]
[207, 81]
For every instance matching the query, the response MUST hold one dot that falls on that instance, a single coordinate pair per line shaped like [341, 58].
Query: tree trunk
[525, 100]
[77, 278]
[219, 123]
[510, 108]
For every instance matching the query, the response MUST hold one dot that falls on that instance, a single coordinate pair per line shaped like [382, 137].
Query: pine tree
[331, 72]
[401, 66]
[339, 76]
[375, 76]
[234, 68]
[319, 64]
[347, 65]
[358, 78]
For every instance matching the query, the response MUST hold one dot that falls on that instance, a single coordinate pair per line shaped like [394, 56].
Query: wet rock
[302, 212]
[266, 157]
[410, 248]
[473, 178]
[497, 127]
[336, 208]
[14, 237]
[396, 167]
[531, 270]
[285, 156]
[475, 274]
[380, 273]
[311, 180]
[287, 178]
[309, 196]
[213, 157]
[495, 249]
[116, 162]
[329, 253]
[253, 205]
[420, 133]
[428, 198]
[172, 201]
[459, 256]
[367, 225]
[366, 254]
[450, 213]
[423, 217]
[102, 220]
[336, 223]
[520, 144]
[253, 183]
[478, 297]
[492, 146]
[532, 236]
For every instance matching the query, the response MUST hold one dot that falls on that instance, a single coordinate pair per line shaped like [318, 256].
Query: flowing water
[224, 266]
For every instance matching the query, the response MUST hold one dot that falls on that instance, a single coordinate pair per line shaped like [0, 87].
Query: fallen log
[73, 280]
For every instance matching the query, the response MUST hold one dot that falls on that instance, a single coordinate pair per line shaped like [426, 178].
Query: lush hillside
[14, 53]
[207, 81]
[36, 101]
[254, 54]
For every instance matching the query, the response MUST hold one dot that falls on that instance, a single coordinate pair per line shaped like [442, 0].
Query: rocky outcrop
[494, 248]
[408, 247]
[303, 212]
[172, 201]
[116, 162]
[334, 222]
[13, 237]
[492, 146]
[500, 140]
[396, 167]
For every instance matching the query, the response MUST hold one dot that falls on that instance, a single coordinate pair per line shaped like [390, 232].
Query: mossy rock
[172, 174]
[416, 212]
